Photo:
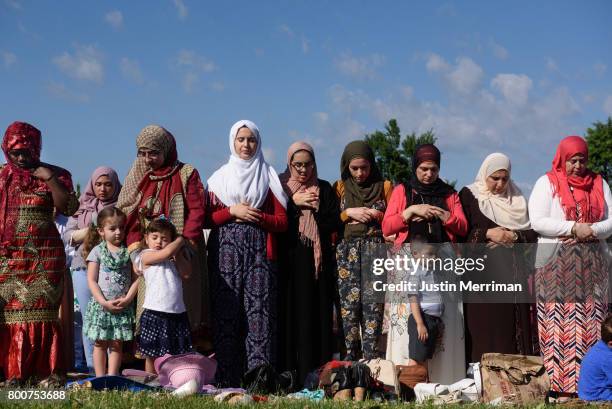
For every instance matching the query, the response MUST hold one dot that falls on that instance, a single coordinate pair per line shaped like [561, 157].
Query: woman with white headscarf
[246, 206]
[497, 217]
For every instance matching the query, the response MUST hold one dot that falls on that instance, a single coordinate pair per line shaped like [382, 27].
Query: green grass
[147, 400]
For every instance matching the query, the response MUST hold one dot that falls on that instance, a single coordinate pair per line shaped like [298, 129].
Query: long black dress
[306, 303]
[505, 328]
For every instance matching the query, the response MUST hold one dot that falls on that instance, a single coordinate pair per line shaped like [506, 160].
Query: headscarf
[508, 209]
[153, 137]
[308, 228]
[360, 194]
[19, 135]
[147, 193]
[433, 194]
[89, 204]
[368, 192]
[587, 189]
[241, 180]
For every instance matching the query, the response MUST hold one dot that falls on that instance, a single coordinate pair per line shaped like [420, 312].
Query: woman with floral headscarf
[571, 208]
[158, 184]
[102, 190]
[32, 258]
[246, 203]
[308, 264]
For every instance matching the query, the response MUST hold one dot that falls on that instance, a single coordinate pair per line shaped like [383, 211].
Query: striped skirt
[566, 328]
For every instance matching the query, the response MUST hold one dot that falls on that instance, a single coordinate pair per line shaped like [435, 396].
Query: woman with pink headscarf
[307, 263]
[101, 191]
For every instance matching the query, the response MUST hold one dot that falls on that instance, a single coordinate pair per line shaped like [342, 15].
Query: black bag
[264, 380]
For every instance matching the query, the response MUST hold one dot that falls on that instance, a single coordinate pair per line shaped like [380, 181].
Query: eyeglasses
[148, 154]
[302, 165]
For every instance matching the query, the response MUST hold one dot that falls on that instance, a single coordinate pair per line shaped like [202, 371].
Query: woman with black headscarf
[427, 208]
[363, 195]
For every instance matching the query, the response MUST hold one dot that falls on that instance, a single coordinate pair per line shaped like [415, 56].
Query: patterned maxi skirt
[243, 285]
[32, 269]
[567, 329]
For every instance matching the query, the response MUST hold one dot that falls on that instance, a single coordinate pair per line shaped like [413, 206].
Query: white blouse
[548, 219]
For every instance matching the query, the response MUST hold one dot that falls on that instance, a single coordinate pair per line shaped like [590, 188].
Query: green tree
[394, 154]
[599, 139]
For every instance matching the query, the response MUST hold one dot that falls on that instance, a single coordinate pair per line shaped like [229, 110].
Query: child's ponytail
[92, 239]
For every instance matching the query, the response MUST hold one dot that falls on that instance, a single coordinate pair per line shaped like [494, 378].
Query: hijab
[583, 192]
[308, 228]
[246, 180]
[89, 204]
[152, 137]
[433, 194]
[507, 209]
[360, 194]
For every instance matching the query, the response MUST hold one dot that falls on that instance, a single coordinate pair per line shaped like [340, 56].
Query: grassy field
[128, 400]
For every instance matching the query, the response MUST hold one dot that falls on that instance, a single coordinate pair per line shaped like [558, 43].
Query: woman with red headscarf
[160, 185]
[32, 258]
[570, 207]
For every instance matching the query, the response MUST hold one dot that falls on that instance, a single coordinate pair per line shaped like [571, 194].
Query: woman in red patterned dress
[32, 258]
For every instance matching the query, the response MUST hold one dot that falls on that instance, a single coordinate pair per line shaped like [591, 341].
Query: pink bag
[176, 370]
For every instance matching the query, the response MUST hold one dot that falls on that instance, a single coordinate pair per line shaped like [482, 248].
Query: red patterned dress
[32, 267]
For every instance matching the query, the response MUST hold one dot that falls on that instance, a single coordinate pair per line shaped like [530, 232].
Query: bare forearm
[59, 193]
[133, 290]
[415, 309]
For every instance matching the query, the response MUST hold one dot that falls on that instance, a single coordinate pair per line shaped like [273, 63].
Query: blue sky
[487, 76]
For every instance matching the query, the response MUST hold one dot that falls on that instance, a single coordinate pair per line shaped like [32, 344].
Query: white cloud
[607, 105]
[588, 98]
[181, 9]
[359, 67]
[435, 63]
[190, 80]
[515, 88]
[114, 18]
[600, 68]
[551, 65]
[305, 45]
[14, 4]
[466, 76]
[480, 119]
[448, 10]
[217, 86]
[192, 66]
[85, 64]
[8, 58]
[269, 154]
[131, 70]
[190, 59]
[321, 117]
[498, 50]
[284, 28]
[59, 90]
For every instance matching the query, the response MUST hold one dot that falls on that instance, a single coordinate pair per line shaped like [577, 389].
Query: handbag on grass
[384, 372]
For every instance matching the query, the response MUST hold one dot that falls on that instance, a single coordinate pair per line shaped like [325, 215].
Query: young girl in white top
[110, 316]
[164, 325]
